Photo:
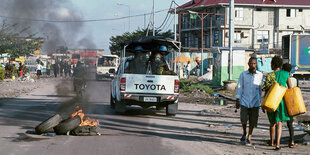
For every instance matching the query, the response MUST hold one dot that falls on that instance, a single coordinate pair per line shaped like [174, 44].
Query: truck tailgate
[150, 84]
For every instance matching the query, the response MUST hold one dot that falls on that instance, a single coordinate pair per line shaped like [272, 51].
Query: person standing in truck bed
[138, 64]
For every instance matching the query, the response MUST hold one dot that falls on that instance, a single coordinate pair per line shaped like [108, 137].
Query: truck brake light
[123, 84]
[176, 86]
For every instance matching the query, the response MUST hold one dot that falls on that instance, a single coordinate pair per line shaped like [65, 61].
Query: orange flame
[87, 122]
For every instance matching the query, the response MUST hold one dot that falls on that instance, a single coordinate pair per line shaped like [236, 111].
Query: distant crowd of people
[12, 70]
[61, 68]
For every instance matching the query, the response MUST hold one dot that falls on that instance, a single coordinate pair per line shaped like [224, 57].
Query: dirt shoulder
[11, 89]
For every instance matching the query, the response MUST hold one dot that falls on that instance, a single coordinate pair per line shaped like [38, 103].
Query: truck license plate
[150, 99]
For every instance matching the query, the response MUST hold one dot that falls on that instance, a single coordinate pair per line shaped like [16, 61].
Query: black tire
[48, 124]
[172, 109]
[67, 125]
[112, 102]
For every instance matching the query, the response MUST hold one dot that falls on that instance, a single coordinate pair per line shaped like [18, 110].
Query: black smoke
[55, 34]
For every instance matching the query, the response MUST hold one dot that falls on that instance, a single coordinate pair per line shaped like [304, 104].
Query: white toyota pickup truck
[138, 83]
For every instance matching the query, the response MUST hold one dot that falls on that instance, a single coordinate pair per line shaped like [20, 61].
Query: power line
[78, 21]
[166, 16]
[165, 26]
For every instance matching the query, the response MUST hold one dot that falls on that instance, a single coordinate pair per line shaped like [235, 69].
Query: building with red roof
[258, 23]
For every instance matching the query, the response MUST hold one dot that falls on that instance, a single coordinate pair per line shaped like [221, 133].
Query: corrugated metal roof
[198, 3]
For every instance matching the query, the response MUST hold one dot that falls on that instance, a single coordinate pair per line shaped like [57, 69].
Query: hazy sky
[103, 30]
[48, 19]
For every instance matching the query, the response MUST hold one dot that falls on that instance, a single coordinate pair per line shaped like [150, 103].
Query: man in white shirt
[249, 92]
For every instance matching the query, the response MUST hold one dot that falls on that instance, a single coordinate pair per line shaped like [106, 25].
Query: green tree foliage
[117, 41]
[14, 44]
[1, 73]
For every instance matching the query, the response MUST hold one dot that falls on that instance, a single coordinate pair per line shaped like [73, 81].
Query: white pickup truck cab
[137, 84]
[106, 66]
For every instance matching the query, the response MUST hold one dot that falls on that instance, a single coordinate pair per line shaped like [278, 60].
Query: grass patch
[184, 83]
[190, 88]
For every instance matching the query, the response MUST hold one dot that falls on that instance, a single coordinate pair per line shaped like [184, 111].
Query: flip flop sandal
[248, 143]
[292, 145]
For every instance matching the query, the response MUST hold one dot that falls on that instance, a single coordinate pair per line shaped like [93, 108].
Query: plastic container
[273, 97]
[294, 102]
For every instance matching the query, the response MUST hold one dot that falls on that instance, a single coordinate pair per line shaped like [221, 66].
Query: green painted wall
[222, 74]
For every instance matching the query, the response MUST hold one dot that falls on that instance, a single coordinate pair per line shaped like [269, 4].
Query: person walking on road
[56, 69]
[66, 68]
[39, 69]
[197, 69]
[48, 69]
[249, 91]
[188, 69]
[276, 118]
[293, 83]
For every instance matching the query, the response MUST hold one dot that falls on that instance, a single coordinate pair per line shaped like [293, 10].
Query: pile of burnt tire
[74, 125]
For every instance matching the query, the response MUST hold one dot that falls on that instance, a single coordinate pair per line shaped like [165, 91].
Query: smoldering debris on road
[75, 124]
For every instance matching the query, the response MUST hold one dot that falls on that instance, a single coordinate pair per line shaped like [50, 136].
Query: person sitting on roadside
[248, 97]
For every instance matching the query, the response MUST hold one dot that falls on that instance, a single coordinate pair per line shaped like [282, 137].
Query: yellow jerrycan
[294, 102]
[273, 97]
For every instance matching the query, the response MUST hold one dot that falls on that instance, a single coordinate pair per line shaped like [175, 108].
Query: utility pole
[202, 42]
[153, 17]
[175, 36]
[231, 35]
[175, 21]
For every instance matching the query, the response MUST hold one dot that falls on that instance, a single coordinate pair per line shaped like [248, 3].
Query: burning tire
[48, 124]
[67, 125]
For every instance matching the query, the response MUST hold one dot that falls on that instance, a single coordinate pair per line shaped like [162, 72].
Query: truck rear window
[142, 64]
[107, 62]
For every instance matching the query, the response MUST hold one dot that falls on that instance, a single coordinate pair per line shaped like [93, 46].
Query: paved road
[138, 131]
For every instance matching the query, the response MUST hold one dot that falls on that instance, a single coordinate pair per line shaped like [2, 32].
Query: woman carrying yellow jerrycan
[280, 114]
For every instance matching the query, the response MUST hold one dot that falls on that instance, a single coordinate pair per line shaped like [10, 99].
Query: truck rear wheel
[172, 109]
[112, 102]
[120, 106]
